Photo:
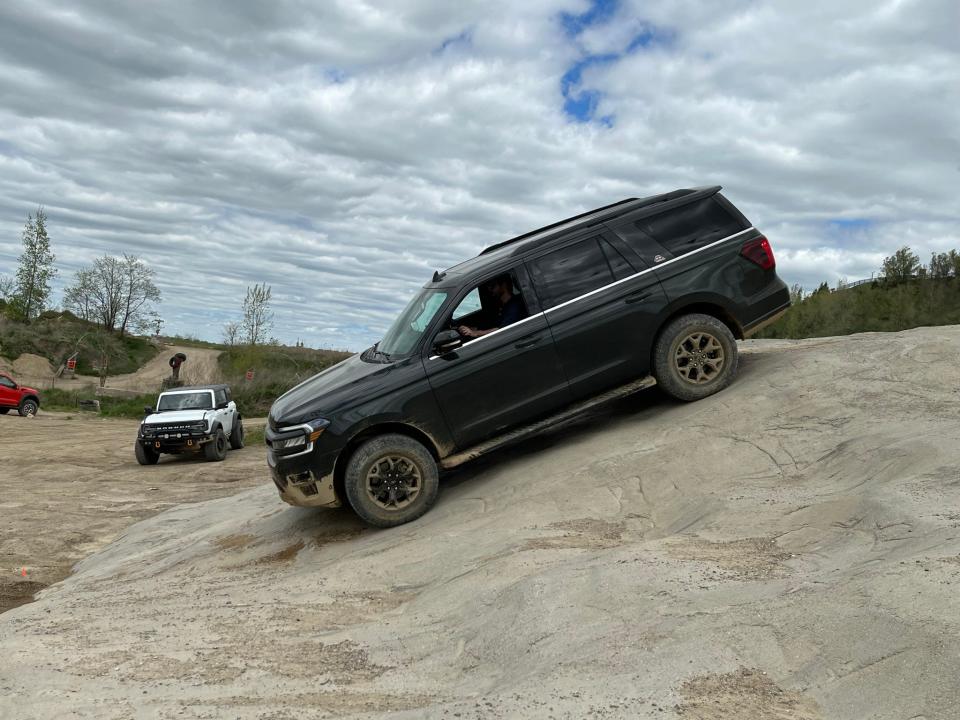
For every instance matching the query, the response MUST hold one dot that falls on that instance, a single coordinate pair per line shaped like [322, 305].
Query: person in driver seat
[510, 307]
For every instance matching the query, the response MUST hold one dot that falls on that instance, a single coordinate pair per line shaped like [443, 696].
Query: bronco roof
[195, 388]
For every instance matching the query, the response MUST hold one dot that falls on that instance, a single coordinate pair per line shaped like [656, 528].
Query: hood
[325, 391]
[29, 390]
[174, 416]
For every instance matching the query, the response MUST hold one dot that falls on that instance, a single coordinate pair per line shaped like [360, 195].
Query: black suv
[528, 333]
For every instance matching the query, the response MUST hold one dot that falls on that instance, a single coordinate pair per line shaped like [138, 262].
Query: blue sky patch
[579, 103]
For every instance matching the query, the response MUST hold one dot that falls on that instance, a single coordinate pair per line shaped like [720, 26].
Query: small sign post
[249, 375]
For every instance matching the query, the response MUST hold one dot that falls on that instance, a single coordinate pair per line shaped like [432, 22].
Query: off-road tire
[237, 435]
[669, 367]
[383, 450]
[216, 449]
[4, 411]
[145, 455]
[28, 406]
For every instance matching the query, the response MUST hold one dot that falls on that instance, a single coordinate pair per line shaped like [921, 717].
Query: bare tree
[114, 292]
[231, 333]
[257, 318]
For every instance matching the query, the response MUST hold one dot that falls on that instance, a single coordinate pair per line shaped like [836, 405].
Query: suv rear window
[570, 272]
[690, 226]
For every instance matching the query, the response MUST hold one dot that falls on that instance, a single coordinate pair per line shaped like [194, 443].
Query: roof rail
[555, 225]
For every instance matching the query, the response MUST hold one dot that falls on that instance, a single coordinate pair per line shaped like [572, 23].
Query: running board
[476, 451]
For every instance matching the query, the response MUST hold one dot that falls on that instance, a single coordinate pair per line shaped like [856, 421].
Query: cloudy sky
[340, 151]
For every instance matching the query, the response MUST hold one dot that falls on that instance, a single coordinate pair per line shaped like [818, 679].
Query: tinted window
[691, 226]
[221, 397]
[570, 272]
[618, 263]
[7, 382]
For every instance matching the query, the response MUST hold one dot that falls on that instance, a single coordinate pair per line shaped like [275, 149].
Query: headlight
[290, 442]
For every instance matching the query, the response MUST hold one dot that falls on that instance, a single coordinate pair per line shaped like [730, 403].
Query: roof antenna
[438, 276]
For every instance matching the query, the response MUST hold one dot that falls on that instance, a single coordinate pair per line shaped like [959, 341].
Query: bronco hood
[326, 391]
[174, 416]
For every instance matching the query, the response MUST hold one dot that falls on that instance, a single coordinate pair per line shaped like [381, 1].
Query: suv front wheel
[695, 356]
[391, 480]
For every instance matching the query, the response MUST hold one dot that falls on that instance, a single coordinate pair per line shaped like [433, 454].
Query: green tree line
[905, 295]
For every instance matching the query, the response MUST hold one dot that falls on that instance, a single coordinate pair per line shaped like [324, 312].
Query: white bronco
[190, 419]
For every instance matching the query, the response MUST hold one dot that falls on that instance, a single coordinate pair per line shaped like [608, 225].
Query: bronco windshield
[413, 321]
[186, 401]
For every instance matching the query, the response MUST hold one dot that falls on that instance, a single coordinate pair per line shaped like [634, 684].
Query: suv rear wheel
[391, 480]
[695, 356]
[237, 435]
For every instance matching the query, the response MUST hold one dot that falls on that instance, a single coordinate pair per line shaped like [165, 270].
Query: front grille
[184, 428]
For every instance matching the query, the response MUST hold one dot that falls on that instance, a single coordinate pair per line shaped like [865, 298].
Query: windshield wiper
[380, 353]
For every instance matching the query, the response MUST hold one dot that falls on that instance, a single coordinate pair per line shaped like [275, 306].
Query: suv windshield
[413, 321]
[186, 401]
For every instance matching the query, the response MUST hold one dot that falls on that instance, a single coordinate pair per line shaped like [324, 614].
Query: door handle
[637, 297]
[529, 342]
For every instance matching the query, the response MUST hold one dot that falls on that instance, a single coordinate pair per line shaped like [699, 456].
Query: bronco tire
[216, 449]
[28, 406]
[237, 435]
[391, 480]
[145, 455]
[695, 356]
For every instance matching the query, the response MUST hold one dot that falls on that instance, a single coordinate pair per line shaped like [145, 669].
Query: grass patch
[254, 436]
[69, 401]
[57, 335]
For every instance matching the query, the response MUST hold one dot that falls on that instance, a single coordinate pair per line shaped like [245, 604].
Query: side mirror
[447, 341]
[147, 410]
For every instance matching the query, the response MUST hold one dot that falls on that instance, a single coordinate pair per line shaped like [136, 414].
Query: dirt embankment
[788, 548]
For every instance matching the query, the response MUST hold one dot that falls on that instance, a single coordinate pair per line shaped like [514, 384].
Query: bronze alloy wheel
[394, 482]
[699, 358]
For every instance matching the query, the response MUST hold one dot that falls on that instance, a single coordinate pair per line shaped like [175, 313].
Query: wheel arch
[706, 306]
[35, 399]
[375, 430]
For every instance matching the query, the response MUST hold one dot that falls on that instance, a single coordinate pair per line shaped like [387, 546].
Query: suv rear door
[602, 310]
[500, 380]
[694, 246]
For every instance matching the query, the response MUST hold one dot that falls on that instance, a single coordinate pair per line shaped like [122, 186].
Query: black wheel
[237, 435]
[216, 449]
[391, 480]
[4, 411]
[145, 455]
[695, 356]
[28, 406]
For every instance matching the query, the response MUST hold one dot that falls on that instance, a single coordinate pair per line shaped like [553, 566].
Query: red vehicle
[21, 398]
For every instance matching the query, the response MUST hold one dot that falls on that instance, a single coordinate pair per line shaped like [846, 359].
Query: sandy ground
[789, 548]
[69, 484]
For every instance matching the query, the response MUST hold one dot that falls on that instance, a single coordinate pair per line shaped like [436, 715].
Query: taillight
[759, 251]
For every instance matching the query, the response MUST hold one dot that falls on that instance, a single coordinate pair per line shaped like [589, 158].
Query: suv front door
[500, 380]
[9, 397]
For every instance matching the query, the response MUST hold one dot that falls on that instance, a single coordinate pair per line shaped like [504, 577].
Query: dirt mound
[786, 548]
[34, 366]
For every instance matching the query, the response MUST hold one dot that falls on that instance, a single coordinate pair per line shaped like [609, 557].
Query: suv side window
[690, 226]
[221, 398]
[570, 272]
[619, 265]
[6, 382]
[470, 304]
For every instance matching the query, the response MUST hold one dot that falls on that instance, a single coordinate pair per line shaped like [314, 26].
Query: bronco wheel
[391, 480]
[695, 356]
[28, 407]
[216, 449]
[145, 455]
[237, 435]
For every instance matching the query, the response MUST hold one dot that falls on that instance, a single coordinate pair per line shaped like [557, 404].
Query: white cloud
[340, 152]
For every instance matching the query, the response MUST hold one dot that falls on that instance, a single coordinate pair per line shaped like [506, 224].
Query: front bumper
[170, 443]
[302, 486]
